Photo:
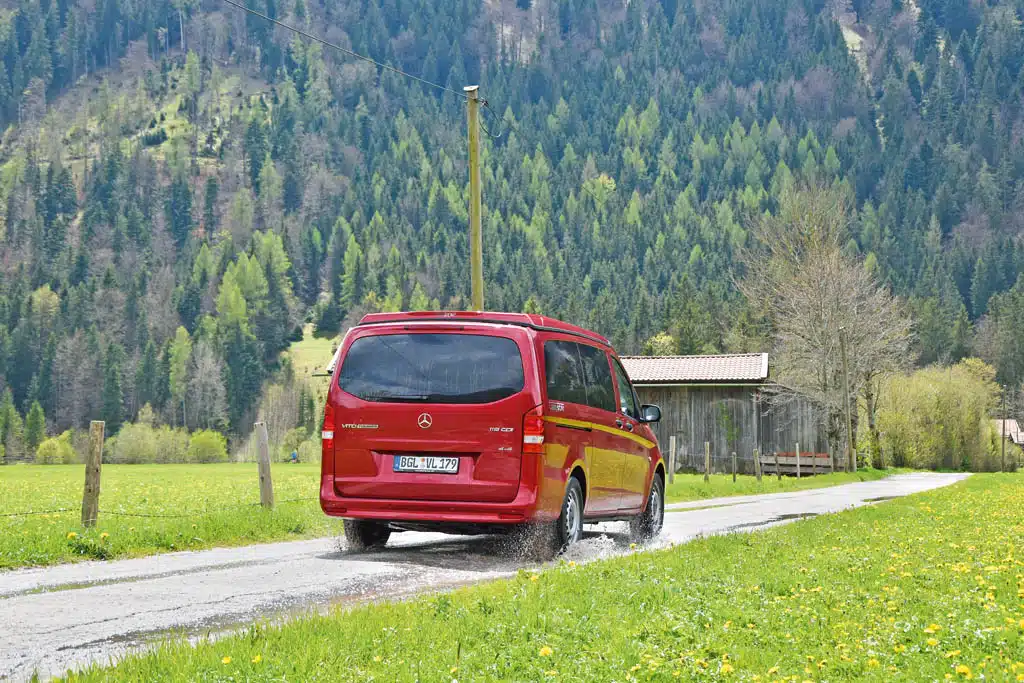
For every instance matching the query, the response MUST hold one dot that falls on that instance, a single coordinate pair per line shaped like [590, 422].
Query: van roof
[533, 321]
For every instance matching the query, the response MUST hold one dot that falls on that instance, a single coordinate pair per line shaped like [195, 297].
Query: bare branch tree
[206, 387]
[799, 276]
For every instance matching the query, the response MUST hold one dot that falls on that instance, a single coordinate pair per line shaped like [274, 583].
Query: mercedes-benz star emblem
[424, 420]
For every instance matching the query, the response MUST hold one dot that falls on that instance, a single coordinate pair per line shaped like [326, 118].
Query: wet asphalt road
[67, 616]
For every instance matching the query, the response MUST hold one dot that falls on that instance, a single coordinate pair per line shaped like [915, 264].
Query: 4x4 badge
[424, 420]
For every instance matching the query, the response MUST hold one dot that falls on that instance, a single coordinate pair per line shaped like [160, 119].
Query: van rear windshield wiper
[407, 398]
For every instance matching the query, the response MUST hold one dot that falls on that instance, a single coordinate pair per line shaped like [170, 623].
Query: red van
[471, 422]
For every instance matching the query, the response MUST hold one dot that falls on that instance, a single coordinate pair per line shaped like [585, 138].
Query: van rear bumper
[523, 508]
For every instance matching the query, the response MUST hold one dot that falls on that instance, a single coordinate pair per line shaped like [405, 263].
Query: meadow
[689, 487]
[928, 587]
[146, 509]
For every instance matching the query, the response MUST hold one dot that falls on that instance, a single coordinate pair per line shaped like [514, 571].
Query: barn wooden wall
[696, 414]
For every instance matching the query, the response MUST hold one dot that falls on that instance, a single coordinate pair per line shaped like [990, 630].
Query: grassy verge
[689, 487]
[923, 588]
[184, 502]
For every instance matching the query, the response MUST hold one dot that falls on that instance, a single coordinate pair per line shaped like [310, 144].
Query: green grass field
[193, 492]
[178, 507]
[689, 487]
[929, 587]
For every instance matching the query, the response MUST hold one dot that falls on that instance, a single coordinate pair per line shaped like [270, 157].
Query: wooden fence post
[797, 459]
[707, 461]
[778, 470]
[734, 467]
[757, 464]
[672, 459]
[94, 459]
[263, 457]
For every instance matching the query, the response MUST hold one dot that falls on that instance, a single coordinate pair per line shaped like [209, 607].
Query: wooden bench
[787, 463]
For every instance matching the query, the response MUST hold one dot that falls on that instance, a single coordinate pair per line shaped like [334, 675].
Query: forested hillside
[183, 185]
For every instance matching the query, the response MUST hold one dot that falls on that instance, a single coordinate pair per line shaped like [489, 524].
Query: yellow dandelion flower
[726, 668]
[225, 660]
[963, 670]
[933, 628]
[873, 662]
[572, 563]
[932, 642]
[632, 546]
[377, 658]
[71, 535]
[952, 653]
[546, 651]
[257, 659]
[899, 648]
[104, 536]
[454, 669]
[534, 577]
[552, 672]
[772, 671]
[1020, 677]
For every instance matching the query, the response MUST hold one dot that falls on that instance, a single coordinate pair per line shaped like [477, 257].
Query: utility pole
[476, 243]
[851, 456]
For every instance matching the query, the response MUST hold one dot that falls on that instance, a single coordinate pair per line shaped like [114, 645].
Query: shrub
[309, 451]
[292, 441]
[938, 418]
[171, 444]
[56, 450]
[207, 446]
[134, 444]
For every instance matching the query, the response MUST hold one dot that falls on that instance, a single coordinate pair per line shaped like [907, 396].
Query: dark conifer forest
[184, 186]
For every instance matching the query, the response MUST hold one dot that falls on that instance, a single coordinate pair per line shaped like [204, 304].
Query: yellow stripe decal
[568, 422]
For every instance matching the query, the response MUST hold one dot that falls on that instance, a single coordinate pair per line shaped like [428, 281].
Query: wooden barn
[728, 401]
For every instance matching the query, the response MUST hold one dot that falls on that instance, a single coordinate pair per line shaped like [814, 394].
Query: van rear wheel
[648, 523]
[545, 541]
[361, 534]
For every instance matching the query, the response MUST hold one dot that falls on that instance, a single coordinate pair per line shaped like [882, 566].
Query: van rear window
[432, 368]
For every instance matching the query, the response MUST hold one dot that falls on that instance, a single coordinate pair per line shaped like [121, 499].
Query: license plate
[426, 463]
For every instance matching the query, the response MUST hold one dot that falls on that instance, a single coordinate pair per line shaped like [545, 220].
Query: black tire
[648, 523]
[545, 541]
[361, 534]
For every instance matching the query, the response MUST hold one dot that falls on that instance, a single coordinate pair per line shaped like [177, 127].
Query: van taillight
[533, 432]
[327, 435]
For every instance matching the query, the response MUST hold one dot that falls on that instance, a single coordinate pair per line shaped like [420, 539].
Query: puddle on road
[771, 520]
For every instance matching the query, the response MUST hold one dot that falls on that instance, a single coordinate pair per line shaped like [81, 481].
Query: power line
[346, 51]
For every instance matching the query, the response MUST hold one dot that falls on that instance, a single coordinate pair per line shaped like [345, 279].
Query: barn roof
[742, 368]
[1013, 430]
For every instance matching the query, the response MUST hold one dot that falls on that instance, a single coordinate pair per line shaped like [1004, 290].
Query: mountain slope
[219, 174]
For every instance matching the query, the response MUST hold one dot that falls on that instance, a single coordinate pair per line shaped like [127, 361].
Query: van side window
[564, 373]
[627, 402]
[598, 375]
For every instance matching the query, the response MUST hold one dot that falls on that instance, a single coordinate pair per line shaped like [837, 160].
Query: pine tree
[35, 426]
[112, 410]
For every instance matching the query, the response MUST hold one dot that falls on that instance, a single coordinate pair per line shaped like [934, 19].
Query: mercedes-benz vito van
[472, 422]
